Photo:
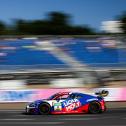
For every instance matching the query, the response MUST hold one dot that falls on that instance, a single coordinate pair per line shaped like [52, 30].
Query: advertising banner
[115, 94]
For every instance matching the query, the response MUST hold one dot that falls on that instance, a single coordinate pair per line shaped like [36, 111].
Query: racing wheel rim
[44, 109]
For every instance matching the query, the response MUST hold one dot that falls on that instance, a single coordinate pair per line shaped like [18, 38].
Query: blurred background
[89, 61]
[60, 52]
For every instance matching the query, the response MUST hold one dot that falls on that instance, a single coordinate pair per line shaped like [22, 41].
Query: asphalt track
[113, 117]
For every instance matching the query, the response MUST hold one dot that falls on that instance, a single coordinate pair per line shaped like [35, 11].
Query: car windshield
[52, 97]
[58, 96]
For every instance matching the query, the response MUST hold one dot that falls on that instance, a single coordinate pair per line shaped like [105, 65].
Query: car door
[58, 103]
[71, 103]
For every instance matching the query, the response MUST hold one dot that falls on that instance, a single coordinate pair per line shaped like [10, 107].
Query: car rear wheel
[95, 107]
[44, 109]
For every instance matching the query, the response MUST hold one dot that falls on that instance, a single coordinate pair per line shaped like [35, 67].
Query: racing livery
[68, 103]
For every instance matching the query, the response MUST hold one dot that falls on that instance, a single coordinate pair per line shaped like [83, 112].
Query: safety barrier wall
[115, 94]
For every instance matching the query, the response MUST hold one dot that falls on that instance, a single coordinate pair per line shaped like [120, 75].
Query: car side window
[78, 96]
[64, 97]
[61, 97]
[72, 96]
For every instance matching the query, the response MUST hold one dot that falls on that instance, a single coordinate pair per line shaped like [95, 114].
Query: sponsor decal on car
[57, 106]
[72, 104]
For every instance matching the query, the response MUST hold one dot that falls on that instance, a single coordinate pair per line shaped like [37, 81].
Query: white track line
[21, 115]
[31, 123]
[83, 115]
[15, 119]
[74, 119]
[11, 110]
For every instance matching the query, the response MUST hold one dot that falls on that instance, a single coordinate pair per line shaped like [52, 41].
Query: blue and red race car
[69, 103]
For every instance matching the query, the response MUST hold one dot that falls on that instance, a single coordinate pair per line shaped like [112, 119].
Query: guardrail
[51, 36]
[31, 68]
[52, 67]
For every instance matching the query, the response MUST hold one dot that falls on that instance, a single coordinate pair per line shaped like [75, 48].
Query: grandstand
[41, 60]
[60, 53]
[23, 54]
[94, 53]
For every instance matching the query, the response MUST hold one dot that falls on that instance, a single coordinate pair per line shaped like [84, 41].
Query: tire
[95, 107]
[44, 109]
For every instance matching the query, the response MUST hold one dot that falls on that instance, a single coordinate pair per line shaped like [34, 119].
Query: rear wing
[102, 93]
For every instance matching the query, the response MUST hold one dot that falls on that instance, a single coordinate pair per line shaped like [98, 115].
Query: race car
[69, 103]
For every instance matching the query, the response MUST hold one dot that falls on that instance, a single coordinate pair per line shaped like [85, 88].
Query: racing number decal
[57, 106]
[72, 104]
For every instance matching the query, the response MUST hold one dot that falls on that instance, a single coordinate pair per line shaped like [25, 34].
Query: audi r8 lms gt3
[68, 103]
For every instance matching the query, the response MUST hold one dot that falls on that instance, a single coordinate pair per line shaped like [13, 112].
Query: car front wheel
[44, 109]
